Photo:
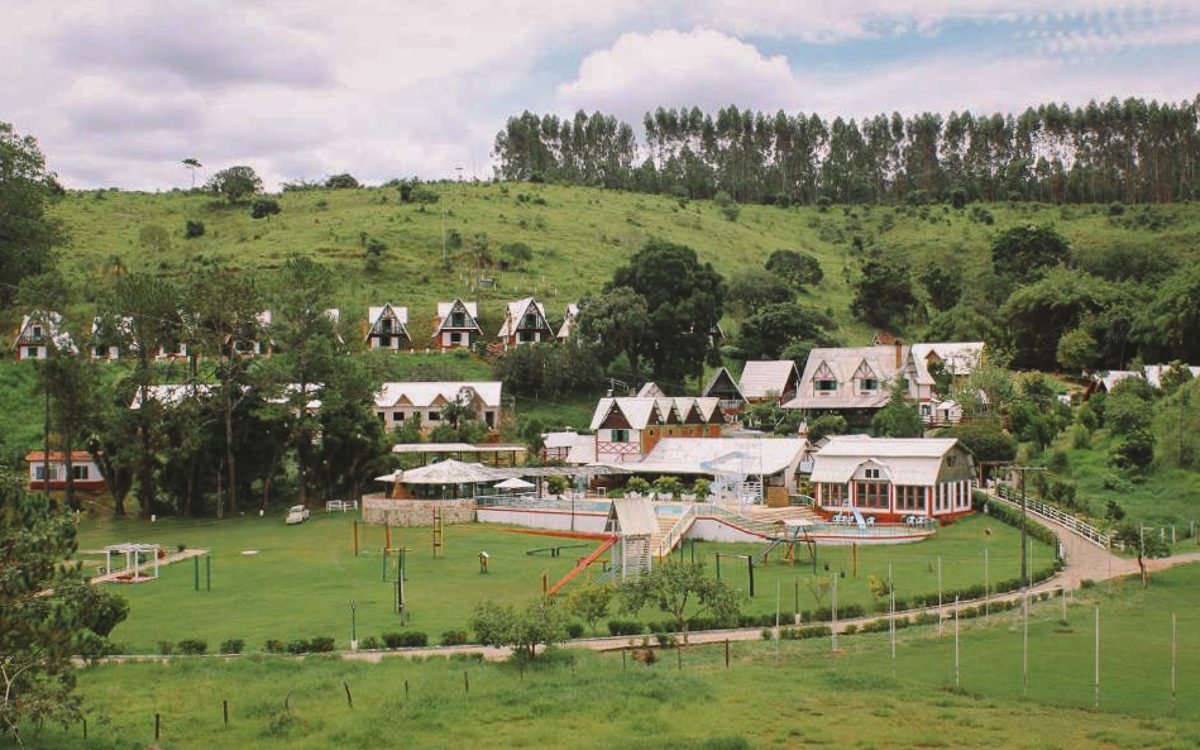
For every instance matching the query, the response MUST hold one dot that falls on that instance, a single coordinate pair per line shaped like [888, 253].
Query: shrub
[192, 646]
[625, 627]
[413, 639]
[666, 640]
[1087, 583]
[392, 640]
[193, 229]
[298, 646]
[321, 644]
[454, 638]
[165, 648]
[370, 643]
[851, 629]
[575, 630]
[232, 646]
[274, 646]
[928, 618]
[797, 634]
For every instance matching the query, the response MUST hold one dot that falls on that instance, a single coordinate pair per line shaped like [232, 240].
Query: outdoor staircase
[659, 537]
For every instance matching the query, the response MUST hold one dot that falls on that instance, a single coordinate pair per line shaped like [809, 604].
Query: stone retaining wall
[378, 509]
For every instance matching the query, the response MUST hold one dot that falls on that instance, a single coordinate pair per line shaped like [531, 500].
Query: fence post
[225, 711]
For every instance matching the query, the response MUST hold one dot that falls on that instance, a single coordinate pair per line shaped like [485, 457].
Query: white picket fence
[1011, 496]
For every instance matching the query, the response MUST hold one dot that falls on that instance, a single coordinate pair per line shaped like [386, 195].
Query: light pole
[353, 626]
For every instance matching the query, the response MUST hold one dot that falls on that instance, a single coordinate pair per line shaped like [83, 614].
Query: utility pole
[1023, 470]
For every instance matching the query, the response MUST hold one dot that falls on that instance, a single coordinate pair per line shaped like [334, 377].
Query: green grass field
[783, 694]
[303, 578]
[579, 236]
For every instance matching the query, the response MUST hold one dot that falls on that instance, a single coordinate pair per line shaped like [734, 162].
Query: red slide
[610, 541]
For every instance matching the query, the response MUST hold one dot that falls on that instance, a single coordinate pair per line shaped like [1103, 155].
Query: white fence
[1010, 495]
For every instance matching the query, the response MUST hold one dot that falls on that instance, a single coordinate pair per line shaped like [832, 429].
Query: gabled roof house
[524, 323]
[456, 324]
[41, 332]
[387, 328]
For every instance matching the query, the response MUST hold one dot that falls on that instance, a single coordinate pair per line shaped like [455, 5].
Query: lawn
[1165, 496]
[303, 578]
[578, 236]
[786, 694]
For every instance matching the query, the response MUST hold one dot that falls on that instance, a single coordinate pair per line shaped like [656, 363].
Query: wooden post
[225, 711]
[623, 664]
[355, 538]
[1174, 691]
[854, 558]
[157, 726]
[727, 652]
[406, 690]
[196, 571]
[1096, 661]
[349, 698]
[466, 682]
[84, 727]
[207, 573]
[387, 533]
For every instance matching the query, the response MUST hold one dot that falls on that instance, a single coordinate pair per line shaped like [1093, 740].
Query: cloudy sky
[118, 92]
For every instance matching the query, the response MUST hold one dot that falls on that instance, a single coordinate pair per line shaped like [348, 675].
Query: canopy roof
[451, 472]
[513, 483]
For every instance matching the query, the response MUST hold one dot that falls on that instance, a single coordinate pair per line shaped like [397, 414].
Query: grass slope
[579, 235]
[300, 583]
[789, 694]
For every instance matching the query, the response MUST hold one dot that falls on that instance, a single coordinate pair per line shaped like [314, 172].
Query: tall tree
[145, 310]
[305, 333]
[884, 296]
[226, 305]
[684, 301]
[51, 611]
[27, 234]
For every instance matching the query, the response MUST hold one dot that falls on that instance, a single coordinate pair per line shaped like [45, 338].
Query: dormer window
[530, 321]
[37, 332]
[826, 386]
[386, 325]
[871, 473]
[869, 384]
[457, 320]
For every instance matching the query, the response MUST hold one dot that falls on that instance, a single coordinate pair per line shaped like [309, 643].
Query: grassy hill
[579, 236]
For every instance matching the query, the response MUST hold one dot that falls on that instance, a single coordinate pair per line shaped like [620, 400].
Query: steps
[665, 524]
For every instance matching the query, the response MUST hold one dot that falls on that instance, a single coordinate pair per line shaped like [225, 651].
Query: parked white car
[296, 514]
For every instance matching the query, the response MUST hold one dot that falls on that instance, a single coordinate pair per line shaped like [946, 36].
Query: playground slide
[583, 564]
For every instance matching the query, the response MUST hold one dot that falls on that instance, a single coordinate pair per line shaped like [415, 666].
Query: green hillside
[578, 235]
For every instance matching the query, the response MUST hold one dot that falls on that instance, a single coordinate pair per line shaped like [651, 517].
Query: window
[397, 416]
[871, 473]
[435, 416]
[385, 325]
[620, 436]
[826, 386]
[530, 321]
[910, 498]
[489, 418]
[832, 494]
[101, 351]
[37, 333]
[951, 460]
[79, 472]
[455, 338]
[31, 352]
[457, 320]
[382, 416]
[871, 495]
[870, 384]
[385, 342]
[526, 336]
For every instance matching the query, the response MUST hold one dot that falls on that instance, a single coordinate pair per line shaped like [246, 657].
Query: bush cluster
[407, 639]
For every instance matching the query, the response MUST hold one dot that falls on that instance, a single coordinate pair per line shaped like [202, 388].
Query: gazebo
[132, 552]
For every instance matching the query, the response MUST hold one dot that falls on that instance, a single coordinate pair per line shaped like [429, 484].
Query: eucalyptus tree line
[1131, 151]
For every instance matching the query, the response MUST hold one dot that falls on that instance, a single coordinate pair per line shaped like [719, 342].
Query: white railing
[678, 529]
[1010, 496]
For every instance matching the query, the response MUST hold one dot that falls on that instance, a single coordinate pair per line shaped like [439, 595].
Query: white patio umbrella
[514, 484]
[393, 477]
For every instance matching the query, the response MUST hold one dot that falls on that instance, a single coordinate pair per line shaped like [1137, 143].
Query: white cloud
[704, 68]
[118, 91]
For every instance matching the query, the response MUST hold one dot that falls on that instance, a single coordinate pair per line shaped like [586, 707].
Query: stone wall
[378, 509]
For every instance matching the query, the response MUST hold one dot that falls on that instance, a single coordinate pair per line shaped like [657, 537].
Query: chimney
[899, 358]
